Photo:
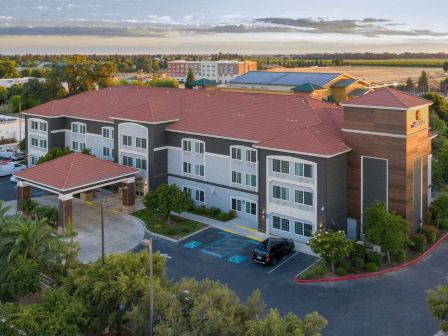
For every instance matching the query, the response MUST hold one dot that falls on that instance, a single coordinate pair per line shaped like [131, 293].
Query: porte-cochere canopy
[75, 173]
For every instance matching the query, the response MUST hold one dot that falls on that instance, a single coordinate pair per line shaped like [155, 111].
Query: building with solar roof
[334, 87]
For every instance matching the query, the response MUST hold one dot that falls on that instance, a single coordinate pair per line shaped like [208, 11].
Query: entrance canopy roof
[75, 172]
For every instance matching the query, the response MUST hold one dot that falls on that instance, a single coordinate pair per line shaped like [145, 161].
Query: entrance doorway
[139, 188]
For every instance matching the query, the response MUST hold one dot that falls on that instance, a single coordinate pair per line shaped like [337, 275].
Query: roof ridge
[64, 184]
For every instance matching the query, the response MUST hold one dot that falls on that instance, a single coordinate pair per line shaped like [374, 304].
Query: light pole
[151, 286]
[102, 233]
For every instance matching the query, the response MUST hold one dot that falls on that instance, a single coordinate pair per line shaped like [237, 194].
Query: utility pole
[151, 286]
[102, 232]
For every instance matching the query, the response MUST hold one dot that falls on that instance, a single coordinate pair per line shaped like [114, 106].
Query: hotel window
[276, 222]
[188, 190]
[285, 225]
[187, 167]
[75, 128]
[199, 147]
[140, 164]
[303, 169]
[199, 170]
[303, 197]
[128, 161]
[200, 195]
[108, 133]
[236, 204]
[140, 143]
[34, 160]
[82, 129]
[251, 180]
[43, 126]
[298, 228]
[82, 146]
[281, 193]
[251, 208]
[186, 145]
[75, 145]
[236, 177]
[280, 166]
[34, 142]
[251, 155]
[236, 153]
[106, 151]
[307, 230]
[34, 125]
[127, 140]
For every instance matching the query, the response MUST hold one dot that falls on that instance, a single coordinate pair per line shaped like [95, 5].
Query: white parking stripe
[272, 270]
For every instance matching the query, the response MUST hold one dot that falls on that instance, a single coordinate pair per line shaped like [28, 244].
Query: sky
[208, 26]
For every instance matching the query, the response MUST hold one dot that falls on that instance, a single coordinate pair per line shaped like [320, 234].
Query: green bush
[357, 262]
[316, 271]
[375, 258]
[443, 224]
[371, 267]
[359, 251]
[224, 216]
[340, 271]
[419, 242]
[201, 210]
[28, 206]
[214, 211]
[344, 263]
[398, 255]
[233, 214]
[430, 232]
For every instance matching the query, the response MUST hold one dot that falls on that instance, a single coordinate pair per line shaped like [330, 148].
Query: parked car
[10, 168]
[12, 154]
[271, 250]
[13, 179]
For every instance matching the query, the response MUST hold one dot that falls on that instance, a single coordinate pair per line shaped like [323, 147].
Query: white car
[13, 179]
[10, 168]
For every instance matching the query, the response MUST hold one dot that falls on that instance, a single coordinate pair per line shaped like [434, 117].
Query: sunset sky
[203, 26]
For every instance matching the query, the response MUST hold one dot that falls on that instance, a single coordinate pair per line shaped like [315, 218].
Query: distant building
[11, 127]
[8, 82]
[333, 87]
[220, 71]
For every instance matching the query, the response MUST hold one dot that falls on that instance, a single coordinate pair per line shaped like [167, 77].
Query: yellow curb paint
[256, 238]
[246, 228]
[90, 203]
[230, 231]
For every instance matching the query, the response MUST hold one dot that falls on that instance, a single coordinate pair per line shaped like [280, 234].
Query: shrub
[224, 216]
[214, 211]
[344, 263]
[357, 262]
[398, 255]
[375, 258]
[430, 232]
[202, 210]
[419, 242]
[340, 271]
[371, 267]
[28, 206]
[233, 214]
[444, 224]
[359, 251]
[316, 271]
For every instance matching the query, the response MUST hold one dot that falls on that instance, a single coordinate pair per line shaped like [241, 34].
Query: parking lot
[8, 190]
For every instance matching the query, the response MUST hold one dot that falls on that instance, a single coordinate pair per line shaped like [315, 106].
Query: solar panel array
[285, 78]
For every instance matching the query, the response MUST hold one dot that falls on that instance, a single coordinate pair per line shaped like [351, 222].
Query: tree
[22, 145]
[190, 79]
[8, 69]
[444, 86]
[437, 300]
[167, 82]
[440, 206]
[423, 83]
[16, 103]
[439, 106]
[386, 229]
[445, 66]
[332, 246]
[22, 277]
[26, 72]
[167, 198]
[440, 166]
[3, 95]
[410, 86]
[54, 154]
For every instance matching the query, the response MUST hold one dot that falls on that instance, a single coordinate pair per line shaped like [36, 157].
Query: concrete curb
[368, 275]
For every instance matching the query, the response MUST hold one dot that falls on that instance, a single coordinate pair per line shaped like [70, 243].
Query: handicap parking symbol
[236, 259]
[192, 244]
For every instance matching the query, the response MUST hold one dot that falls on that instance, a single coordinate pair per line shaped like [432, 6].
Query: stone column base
[128, 209]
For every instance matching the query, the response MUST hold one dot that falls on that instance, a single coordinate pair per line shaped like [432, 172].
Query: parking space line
[282, 263]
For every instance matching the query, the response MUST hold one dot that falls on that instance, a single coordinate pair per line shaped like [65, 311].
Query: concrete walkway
[122, 232]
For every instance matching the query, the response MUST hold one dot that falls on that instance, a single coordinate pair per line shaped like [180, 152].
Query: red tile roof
[278, 120]
[74, 170]
[387, 97]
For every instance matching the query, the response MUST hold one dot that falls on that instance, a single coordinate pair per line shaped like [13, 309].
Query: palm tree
[3, 211]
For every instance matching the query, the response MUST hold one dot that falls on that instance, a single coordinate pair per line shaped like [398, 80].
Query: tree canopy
[438, 305]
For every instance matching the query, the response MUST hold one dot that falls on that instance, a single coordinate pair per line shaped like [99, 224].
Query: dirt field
[378, 75]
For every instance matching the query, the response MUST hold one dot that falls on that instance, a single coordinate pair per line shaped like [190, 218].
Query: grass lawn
[179, 227]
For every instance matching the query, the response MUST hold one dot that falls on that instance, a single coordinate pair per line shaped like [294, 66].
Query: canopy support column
[128, 191]
[23, 194]
[65, 210]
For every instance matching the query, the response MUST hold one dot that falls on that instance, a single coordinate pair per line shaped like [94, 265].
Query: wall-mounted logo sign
[418, 120]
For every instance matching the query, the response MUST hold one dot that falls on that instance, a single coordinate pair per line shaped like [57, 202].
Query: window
[251, 180]
[200, 195]
[280, 193]
[75, 128]
[186, 145]
[280, 166]
[82, 129]
[75, 145]
[303, 197]
[251, 208]
[34, 142]
[298, 228]
[106, 151]
[187, 167]
[285, 225]
[127, 140]
[34, 125]
[108, 133]
[276, 222]
[34, 160]
[251, 155]
[236, 177]
[236, 153]
[199, 170]
[236, 204]
[303, 169]
[140, 164]
[82, 146]
[188, 190]
[43, 126]
[199, 147]
[308, 230]
[140, 142]
[128, 161]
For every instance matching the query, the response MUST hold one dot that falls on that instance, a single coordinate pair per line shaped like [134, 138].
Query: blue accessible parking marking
[236, 259]
[192, 244]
